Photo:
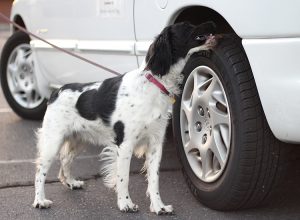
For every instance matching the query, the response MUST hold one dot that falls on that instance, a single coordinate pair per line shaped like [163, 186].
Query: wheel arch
[199, 14]
[19, 20]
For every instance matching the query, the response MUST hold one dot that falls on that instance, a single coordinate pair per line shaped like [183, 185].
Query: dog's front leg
[153, 158]
[123, 167]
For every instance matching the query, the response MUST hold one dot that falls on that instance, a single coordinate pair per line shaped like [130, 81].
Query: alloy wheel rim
[21, 78]
[205, 124]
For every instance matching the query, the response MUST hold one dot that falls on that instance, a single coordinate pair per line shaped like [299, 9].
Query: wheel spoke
[13, 74]
[218, 96]
[188, 147]
[12, 69]
[29, 58]
[201, 82]
[29, 98]
[207, 89]
[215, 164]
[205, 86]
[187, 108]
[219, 117]
[206, 162]
[211, 86]
[20, 58]
[224, 131]
[218, 148]
[16, 88]
[37, 97]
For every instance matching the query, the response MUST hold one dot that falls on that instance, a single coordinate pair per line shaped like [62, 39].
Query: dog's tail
[108, 170]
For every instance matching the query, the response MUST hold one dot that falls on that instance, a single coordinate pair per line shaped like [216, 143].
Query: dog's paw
[74, 184]
[162, 210]
[130, 209]
[42, 204]
[127, 206]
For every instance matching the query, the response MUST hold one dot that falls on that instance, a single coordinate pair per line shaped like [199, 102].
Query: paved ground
[17, 152]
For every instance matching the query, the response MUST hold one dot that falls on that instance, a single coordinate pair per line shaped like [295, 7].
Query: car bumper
[276, 68]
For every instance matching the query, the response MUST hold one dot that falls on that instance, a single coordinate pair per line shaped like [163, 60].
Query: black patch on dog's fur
[53, 97]
[101, 103]
[159, 55]
[72, 86]
[76, 86]
[173, 43]
[86, 105]
[119, 130]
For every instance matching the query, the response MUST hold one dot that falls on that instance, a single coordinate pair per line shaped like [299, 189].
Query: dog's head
[175, 42]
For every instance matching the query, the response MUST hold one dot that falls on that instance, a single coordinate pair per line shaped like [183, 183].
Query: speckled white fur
[144, 113]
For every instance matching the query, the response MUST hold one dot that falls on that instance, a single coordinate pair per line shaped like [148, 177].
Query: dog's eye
[200, 38]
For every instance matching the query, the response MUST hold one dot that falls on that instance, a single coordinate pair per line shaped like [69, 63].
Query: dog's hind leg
[153, 158]
[69, 151]
[125, 203]
[48, 146]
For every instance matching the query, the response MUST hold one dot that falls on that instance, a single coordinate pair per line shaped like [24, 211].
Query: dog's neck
[173, 78]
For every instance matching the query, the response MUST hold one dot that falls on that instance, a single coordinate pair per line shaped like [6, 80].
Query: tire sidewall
[36, 113]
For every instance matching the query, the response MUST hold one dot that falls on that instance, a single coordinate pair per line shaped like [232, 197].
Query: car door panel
[100, 30]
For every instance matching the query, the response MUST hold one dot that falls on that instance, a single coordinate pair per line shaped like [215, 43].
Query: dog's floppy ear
[208, 27]
[159, 56]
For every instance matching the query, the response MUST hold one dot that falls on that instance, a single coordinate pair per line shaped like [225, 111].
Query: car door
[100, 30]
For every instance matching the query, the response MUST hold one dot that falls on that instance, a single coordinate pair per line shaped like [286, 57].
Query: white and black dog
[125, 114]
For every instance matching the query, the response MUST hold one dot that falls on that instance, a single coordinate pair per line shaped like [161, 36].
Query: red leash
[56, 47]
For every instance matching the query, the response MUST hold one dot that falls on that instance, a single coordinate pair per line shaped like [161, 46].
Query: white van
[240, 103]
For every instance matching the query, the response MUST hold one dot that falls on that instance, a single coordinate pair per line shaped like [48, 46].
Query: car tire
[18, 79]
[248, 172]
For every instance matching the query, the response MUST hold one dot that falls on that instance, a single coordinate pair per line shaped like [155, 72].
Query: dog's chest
[143, 106]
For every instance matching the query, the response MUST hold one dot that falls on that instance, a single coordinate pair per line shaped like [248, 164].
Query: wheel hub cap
[21, 78]
[205, 124]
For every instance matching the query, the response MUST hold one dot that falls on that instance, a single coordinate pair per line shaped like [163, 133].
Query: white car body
[117, 34]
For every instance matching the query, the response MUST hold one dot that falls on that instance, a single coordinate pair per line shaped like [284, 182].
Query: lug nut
[204, 138]
[200, 111]
[198, 126]
[24, 68]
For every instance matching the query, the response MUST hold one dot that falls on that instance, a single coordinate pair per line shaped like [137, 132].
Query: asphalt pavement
[94, 201]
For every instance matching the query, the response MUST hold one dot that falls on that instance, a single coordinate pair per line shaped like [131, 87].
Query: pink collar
[162, 88]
